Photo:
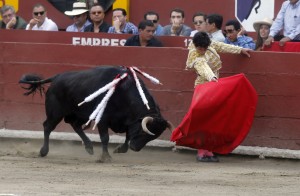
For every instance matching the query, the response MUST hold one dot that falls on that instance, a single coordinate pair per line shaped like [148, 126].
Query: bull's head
[151, 128]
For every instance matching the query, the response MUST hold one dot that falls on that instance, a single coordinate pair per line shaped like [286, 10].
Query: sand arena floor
[69, 170]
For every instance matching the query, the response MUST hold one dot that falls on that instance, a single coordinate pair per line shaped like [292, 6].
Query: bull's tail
[35, 83]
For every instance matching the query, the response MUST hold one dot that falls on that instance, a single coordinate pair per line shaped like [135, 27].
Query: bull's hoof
[134, 148]
[122, 148]
[89, 149]
[105, 159]
[44, 151]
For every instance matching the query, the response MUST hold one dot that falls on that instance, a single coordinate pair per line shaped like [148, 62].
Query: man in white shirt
[288, 20]
[199, 21]
[213, 27]
[40, 21]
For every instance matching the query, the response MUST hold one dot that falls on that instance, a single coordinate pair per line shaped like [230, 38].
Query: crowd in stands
[91, 19]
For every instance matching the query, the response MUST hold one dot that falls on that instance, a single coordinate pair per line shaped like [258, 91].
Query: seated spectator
[213, 27]
[288, 20]
[145, 37]
[106, 4]
[97, 17]
[235, 35]
[10, 20]
[263, 29]
[120, 25]
[154, 17]
[177, 28]
[40, 21]
[199, 20]
[79, 15]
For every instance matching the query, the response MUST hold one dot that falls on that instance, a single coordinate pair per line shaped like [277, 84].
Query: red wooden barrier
[90, 39]
[49, 59]
[288, 47]
[274, 75]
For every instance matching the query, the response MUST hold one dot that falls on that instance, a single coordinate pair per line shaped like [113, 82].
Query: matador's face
[201, 50]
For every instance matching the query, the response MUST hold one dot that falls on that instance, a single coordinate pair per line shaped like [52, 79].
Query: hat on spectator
[78, 8]
[265, 21]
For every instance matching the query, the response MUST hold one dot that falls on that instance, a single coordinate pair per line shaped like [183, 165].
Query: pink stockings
[202, 153]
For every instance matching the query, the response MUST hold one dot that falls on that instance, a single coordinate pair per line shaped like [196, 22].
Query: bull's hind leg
[87, 142]
[49, 126]
[104, 137]
[54, 116]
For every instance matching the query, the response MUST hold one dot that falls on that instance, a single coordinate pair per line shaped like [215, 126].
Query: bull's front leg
[104, 137]
[87, 142]
[123, 148]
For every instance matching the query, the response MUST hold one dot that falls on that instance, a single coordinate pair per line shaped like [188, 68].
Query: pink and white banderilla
[110, 88]
[98, 112]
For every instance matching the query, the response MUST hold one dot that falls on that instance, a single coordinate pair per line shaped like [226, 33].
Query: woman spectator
[263, 29]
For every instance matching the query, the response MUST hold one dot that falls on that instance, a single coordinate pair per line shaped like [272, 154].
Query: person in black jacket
[10, 20]
[97, 18]
[145, 37]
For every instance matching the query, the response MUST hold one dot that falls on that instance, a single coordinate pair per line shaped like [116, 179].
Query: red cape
[220, 115]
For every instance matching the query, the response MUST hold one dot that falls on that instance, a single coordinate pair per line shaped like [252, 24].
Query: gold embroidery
[208, 65]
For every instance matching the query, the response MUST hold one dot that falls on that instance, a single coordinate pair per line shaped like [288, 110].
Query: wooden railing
[275, 76]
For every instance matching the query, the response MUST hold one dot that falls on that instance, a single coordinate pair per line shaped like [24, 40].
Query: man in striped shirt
[120, 25]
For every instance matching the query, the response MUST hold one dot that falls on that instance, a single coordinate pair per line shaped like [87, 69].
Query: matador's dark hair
[201, 39]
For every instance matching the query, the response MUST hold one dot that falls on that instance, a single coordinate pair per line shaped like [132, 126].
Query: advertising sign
[249, 11]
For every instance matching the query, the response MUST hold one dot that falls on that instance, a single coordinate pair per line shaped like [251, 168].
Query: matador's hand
[246, 51]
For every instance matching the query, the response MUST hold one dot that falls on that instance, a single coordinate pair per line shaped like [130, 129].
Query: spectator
[154, 17]
[177, 28]
[79, 15]
[213, 27]
[10, 20]
[288, 20]
[199, 20]
[263, 29]
[97, 17]
[235, 35]
[204, 59]
[145, 37]
[120, 25]
[40, 20]
[106, 4]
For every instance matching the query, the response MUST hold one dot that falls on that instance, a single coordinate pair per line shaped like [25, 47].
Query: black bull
[125, 112]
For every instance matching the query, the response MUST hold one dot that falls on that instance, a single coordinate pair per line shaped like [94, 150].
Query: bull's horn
[144, 123]
[170, 126]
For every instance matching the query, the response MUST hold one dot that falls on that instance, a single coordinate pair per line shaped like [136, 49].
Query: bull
[124, 113]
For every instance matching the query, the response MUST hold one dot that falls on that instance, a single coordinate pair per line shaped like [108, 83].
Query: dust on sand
[69, 170]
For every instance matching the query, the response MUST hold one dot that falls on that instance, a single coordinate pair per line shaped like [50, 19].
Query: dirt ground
[69, 170]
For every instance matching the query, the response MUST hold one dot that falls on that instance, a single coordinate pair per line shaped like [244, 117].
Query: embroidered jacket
[208, 65]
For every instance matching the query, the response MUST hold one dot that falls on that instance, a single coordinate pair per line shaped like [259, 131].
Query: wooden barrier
[288, 47]
[85, 39]
[275, 76]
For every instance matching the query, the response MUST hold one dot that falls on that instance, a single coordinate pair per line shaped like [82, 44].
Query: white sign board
[249, 11]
